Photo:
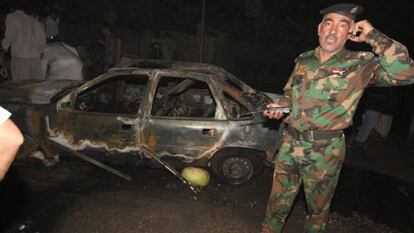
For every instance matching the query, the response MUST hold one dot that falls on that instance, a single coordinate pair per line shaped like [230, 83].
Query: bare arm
[10, 141]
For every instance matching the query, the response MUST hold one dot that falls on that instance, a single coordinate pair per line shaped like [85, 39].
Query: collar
[339, 56]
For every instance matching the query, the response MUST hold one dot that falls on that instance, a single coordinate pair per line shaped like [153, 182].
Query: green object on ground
[196, 176]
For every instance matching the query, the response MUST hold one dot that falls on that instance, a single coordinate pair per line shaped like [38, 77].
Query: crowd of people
[31, 44]
[33, 47]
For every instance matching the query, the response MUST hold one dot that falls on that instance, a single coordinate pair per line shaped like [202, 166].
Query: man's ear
[319, 29]
[351, 31]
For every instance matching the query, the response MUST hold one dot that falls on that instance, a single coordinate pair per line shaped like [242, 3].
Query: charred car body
[190, 113]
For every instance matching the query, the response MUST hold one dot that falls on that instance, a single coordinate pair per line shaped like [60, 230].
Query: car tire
[237, 166]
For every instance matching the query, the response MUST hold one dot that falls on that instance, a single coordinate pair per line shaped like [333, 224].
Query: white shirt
[24, 34]
[4, 115]
[61, 61]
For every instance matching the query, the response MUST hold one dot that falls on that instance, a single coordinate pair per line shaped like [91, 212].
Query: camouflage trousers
[317, 165]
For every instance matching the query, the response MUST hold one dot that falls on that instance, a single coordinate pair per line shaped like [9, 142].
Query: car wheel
[237, 167]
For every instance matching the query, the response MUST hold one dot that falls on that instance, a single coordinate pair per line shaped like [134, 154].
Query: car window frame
[231, 90]
[104, 77]
[157, 75]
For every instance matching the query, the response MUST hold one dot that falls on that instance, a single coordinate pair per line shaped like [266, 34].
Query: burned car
[181, 112]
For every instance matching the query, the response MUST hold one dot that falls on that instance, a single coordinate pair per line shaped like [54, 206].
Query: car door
[105, 114]
[185, 119]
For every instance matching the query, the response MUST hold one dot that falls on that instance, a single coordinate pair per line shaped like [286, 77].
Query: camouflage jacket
[325, 96]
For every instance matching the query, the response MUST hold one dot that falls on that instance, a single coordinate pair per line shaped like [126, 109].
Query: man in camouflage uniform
[323, 92]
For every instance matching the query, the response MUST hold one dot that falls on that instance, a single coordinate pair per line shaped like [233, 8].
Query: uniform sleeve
[396, 68]
[4, 115]
[9, 34]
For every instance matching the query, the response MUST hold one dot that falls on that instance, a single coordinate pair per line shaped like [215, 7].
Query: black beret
[347, 9]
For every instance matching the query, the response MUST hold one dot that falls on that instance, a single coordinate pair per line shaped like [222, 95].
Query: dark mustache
[331, 37]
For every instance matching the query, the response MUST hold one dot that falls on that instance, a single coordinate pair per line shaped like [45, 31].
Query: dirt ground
[75, 196]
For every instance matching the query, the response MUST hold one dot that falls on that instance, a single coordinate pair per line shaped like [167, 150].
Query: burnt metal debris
[95, 162]
[171, 169]
[190, 113]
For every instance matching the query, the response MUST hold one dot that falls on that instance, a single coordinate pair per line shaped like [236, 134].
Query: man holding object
[322, 93]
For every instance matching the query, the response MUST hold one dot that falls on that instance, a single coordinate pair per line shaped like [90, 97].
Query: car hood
[33, 91]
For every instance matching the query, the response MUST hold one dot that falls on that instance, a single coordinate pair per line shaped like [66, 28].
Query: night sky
[285, 27]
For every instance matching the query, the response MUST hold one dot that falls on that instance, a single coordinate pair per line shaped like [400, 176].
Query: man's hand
[363, 27]
[273, 114]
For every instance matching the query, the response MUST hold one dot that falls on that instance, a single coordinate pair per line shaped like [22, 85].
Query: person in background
[61, 61]
[4, 75]
[163, 46]
[51, 24]
[27, 39]
[112, 48]
[10, 140]
[168, 46]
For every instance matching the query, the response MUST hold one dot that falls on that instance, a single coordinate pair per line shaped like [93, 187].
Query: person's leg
[371, 119]
[286, 183]
[26, 68]
[14, 68]
[10, 141]
[383, 125]
[35, 71]
[320, 171]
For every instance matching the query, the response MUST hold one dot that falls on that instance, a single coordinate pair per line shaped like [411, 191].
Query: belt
[312, 135]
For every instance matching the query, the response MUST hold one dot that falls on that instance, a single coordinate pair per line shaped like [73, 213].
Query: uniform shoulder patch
[363, 55]
[305, 55]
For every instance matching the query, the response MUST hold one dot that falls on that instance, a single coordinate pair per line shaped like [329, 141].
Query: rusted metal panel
[186, 139]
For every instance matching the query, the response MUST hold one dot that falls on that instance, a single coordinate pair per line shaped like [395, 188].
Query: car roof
[219, 73]
[205, 68]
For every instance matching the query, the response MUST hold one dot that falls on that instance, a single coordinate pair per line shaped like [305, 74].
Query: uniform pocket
[328, 88]
[297, 85]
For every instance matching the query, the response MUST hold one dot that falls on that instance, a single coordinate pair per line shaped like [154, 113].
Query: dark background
[278, 31]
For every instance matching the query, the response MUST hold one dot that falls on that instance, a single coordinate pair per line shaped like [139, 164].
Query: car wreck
[187, 113]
